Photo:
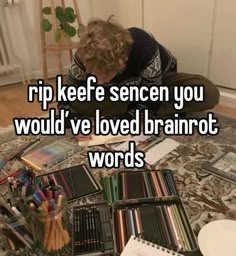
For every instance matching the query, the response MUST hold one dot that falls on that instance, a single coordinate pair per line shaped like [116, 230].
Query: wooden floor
[13, 103]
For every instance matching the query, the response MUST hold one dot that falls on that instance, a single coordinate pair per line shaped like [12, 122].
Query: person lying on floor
[119, 56]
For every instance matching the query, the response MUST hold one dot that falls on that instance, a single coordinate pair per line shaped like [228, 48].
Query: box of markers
[141, 203]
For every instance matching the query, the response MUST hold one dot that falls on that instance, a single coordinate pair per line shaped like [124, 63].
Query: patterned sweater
[147, 62]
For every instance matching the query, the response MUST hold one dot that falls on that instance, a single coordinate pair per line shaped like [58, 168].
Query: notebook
[140, 247]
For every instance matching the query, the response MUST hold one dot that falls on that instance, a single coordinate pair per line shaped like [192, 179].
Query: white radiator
[10, 63]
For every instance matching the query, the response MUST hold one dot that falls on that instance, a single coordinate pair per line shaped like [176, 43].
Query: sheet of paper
[136, 247]
[161, 149]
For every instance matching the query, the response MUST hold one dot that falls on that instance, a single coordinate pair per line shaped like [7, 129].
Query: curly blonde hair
[105, 45]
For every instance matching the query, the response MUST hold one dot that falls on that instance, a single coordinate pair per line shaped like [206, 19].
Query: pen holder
[52, 229]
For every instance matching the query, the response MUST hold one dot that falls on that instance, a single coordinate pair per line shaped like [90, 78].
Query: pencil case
[77, 181]
[138, 184]
[49, 153]
[162, 221]
[93, 235]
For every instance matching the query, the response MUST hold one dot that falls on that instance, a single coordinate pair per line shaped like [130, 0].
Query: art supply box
[138, 184]
[44, 157]
[154, 226]
[77, 181]
[160, 220]
[92, 233]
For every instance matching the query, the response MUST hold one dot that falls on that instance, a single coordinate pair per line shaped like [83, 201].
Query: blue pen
[37, 199]
[39, 196]
[52, 204]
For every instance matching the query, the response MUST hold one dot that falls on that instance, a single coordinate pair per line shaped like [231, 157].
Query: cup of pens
[49, 219]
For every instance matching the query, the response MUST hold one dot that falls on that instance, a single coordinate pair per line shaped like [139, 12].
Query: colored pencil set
[140, 184]
[162, 224]
[92, 229]
[49, 155]
[50, 217]
[77, 181]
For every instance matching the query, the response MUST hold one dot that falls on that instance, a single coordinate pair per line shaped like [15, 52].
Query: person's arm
[152, 74]
[76, 77]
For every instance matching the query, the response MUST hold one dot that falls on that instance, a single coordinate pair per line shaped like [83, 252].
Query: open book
[140, 247]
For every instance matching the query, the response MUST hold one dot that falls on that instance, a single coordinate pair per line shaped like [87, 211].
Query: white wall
[127, 12]
[29, 15]
[88, 8]
[200, 34]
[183, 26]
[223, 57]
[35, 41]
[204, 41]
[14, 36]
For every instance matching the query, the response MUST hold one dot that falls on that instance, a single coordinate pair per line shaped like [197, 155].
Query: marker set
[92, 233]
[161, 221]
[77, 181]
[49, 217]
[138, 184]
[38, 217]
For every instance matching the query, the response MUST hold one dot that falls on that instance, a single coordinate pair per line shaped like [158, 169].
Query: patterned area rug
[205, 196]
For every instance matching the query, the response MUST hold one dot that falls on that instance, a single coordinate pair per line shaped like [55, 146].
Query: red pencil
[11, 174]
